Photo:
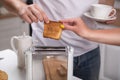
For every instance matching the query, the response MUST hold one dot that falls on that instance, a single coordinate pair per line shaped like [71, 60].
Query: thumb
[67, 20]
[68, 27]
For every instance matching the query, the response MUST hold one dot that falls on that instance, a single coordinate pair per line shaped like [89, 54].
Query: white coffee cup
[102, 11]
[20, 44]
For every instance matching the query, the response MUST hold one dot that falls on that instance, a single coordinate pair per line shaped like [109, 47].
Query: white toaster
[34, 60]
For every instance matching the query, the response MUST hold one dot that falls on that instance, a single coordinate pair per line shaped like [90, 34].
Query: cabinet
[110, 59]
[110, 62]
[11, 26]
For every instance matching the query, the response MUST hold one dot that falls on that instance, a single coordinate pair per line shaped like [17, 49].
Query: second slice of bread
[3, 75]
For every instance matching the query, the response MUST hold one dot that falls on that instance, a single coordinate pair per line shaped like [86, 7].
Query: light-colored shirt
[62, 9]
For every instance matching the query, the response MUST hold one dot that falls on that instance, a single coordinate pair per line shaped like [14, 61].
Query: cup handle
[13, 43]
[113, 14]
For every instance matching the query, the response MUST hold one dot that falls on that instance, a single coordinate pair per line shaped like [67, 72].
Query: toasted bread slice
[52, 30]
[3, 75]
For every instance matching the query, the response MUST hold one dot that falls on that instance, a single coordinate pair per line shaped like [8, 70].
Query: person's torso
[62, 9]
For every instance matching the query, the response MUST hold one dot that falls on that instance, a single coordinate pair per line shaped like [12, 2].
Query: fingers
[27, 19]
[68, 27]
[32, 13]
[36, 13]
[45, 18]
[68, 20]
[68, 23]
[110, 22]
[72, 21]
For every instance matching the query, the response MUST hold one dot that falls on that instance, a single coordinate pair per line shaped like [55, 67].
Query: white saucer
[87, 14]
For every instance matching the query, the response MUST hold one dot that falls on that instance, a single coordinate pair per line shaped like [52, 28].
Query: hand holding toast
[32, 13]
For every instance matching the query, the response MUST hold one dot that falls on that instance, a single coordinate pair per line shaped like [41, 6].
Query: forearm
[111, 36]
[108, 2]
[13, 5]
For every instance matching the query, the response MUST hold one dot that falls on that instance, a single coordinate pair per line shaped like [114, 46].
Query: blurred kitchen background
[11, 25]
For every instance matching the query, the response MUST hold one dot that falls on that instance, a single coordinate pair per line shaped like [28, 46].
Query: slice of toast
[52, 30]
[54, 70]
[3, 75]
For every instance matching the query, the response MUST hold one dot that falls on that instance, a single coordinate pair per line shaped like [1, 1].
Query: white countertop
[9, 65]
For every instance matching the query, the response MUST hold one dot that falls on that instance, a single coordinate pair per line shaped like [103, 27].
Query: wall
[11, 26]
